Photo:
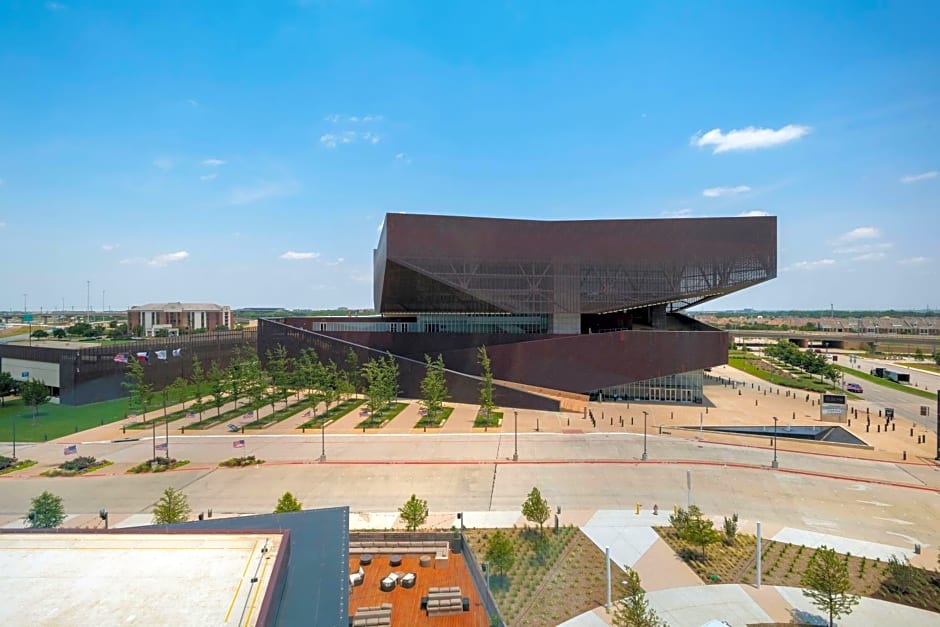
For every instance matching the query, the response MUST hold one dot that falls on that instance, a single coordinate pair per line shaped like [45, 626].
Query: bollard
[706, 410]
[631, 420]
[124, 429]
[794, 415]
[611, 421]
[569, 421]
[739, 392]
[655, 509]
[850, 422]
[912, 432]
[755, 402]
[670, 416]
[904, 455]
[536, 425]
[879, 428]
[867, 427]
[893, 425]
[637, 509]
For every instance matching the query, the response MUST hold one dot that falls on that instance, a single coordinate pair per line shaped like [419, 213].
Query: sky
[246, 153]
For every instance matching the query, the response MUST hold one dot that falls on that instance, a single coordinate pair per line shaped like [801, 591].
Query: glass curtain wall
[685, 387]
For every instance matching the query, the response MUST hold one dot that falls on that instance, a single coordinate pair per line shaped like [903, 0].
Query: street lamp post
[14, 436]
[323, 442]
[644, 435]
[773, 464]
[515, 431]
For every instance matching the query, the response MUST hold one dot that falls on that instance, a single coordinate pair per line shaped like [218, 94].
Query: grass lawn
[378, 419]
[437, 420]
[886, 383]
[920, 365]
[8, 467]
[281, 414]
[783, 564]
[555, 577]
[797, 380]
[210, 420]
[495, 419]
[333, 413]
[55, 421]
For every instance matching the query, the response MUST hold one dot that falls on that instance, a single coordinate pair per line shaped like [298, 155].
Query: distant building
[179, 316]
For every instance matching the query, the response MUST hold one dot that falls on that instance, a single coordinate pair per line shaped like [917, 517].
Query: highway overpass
[883, 342]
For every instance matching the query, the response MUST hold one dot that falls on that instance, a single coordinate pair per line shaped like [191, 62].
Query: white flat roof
[134, 579]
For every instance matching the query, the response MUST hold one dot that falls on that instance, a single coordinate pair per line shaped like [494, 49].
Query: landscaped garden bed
[241, 462]
[555, 577]
[494, 419]
[77, 466]
[159, 420]
[379, 418]
[436, 421]
[211, 421]
[334, 413]
[12, 464]
[158, 464]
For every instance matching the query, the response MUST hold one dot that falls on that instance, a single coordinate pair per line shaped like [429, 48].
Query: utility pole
[644, 435]
[88, 303]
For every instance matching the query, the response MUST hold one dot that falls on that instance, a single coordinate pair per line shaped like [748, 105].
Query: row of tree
[809, 361]
[34, 392]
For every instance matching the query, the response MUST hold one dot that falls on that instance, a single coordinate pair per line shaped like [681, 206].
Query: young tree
[826, 583]
[414, 512]
[39, 334]
[235, 376]
[486, 383]
[198, 378]
[500, 553]
[328, 377]
[8, 386]
[731, 529]
[34, 393]
[433, 387]
[535, 509]
[255, 381]
[287, 503]
[372, 373]
[699, 530]
[634, 610]
[58, 333]
[173, 507]
[176, 393]
[352, 371]
[141, 392]
[47, 511]
[217, 387]
[278, 369]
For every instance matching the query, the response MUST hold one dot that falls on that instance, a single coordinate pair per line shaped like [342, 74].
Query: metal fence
[479, 579]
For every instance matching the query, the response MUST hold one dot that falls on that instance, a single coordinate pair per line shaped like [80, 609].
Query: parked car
[854, 388]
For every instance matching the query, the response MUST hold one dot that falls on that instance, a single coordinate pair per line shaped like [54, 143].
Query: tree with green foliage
[535, 509]
[352, 373]
[414, 512]
[255, 380]
[39, 334]
[8, 386]
[217, 388]
[46, 512]
[919, 354]
[433, 388]
[901, 575]
[328, 377]
[826, 583]
[173, 507]
[235, 375]
[307, 370]
[936, 358]
[175, 393]
[730, 529]
[287, 503]
[634, 610]
[34, 393]
[487, 405]
[699, 531]
[278, 372]
[381, 376]
[500, 553]
[135, 382]
[197, 377]
[59, 334]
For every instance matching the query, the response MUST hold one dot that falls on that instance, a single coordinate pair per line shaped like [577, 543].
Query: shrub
[158, 464]
[78, 464]
[237, 462]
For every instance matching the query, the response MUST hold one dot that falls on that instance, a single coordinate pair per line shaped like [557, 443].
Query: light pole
[773, 464]
[323, 442]
[515, 432]
[644, 435]
[14, 436]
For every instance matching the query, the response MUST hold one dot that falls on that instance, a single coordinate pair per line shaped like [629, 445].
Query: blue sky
[245, 153]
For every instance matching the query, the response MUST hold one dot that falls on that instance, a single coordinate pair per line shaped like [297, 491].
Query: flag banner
[71, 449]
[144, 356]
[238, 444]
[161, 354]
[121, 358]
[162, 447]
[177, 352]
[307, 413]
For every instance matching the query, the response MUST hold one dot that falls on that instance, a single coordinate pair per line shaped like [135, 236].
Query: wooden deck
[406, 602]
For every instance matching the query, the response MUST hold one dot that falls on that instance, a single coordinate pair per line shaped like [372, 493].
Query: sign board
[27, 317]
[833, 408]
[24, 374]
[889, 412]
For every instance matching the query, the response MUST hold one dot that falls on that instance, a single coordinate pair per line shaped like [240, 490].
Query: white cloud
[167, 258]
[295, 256]
[862, 232]
[913, 261]
[860, 249]
[213, 162]
[163, 163]
[403, 158]
[811, 265]
[754, 213]
[336, 118]
[923, 176]
[208, 177]
[875, 256]
[750, 138]
[360, 277]
[109, 247]
[332, 140]
[248, 195]
[715, 192]
[193, 102]
[55, 6]
[676, 213]
[338, 261]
